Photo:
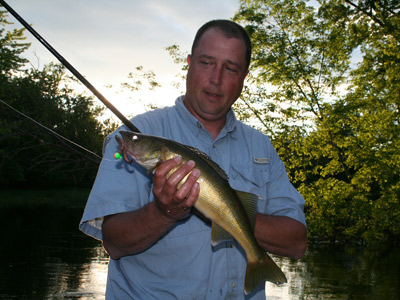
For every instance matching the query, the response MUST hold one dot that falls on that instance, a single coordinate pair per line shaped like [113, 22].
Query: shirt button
[233, 284]
[214, 146]
[199, 125]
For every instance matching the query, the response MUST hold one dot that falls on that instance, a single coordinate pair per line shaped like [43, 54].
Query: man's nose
[216, 76]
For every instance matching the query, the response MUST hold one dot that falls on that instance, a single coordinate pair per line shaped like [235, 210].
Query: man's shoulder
[154, 120]
[251, 132]
[156, 113]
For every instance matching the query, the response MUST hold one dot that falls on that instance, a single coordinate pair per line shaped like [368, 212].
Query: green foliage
[179, 58]
[11, 45]
[136, 80]
[335, 123]
[44, 124]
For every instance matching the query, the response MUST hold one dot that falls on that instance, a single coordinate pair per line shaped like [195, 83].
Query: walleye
[231, 212]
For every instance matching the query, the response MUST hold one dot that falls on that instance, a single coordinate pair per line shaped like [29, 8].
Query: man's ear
[188, 59]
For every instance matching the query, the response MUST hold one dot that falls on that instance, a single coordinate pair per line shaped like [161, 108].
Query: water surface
[44, 256]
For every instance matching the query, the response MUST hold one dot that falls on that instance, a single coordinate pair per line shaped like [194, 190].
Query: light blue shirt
[183, 264]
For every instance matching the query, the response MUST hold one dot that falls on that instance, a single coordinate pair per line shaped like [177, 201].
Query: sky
[105, 40]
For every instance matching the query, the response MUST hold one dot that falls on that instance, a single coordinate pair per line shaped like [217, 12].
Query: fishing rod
[71, 68]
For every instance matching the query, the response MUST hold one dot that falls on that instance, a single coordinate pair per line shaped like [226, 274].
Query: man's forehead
[214, 40]
[215, 31]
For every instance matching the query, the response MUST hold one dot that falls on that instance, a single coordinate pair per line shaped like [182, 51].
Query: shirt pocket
[252, 178]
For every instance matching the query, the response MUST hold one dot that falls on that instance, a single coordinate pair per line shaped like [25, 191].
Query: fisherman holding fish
[199, 198]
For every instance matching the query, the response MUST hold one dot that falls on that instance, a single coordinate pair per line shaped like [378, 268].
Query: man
[159, 249]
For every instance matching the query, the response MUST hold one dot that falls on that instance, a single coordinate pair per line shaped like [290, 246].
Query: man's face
[217, 69]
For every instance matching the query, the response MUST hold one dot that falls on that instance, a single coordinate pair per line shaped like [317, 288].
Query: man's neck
[213, 127]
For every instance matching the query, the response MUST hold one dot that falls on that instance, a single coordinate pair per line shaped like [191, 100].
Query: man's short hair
[229, 29]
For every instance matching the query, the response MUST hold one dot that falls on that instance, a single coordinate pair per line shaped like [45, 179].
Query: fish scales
[227, 209]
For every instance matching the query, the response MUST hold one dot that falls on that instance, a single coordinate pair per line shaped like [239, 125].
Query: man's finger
[159, 177]
[194, 194]
[176, 177]
[184, 191]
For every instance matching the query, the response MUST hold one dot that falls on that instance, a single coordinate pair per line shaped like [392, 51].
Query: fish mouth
[123, 142]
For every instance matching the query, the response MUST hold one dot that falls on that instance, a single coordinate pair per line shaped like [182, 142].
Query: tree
[334, 123]
[374, 100]
[12, 46]
[40, 116]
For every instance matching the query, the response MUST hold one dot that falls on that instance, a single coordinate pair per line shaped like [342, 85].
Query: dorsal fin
[209, 161]
[249, 202]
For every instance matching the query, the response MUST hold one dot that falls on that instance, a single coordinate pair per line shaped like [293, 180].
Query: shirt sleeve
[282, 197]
[118, 187]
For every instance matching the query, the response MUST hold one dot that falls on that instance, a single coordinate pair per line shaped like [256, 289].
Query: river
[43, 255]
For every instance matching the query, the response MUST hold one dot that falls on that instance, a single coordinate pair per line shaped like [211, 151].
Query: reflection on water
[93, 284]
[92, 281]
[44, 256]
[340, 272]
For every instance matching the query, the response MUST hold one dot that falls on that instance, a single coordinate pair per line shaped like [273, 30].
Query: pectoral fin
[150, 165]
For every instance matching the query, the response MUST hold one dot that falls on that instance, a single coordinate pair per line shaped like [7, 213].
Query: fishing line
[48, 129]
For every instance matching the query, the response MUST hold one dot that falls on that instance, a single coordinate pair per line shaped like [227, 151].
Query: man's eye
[232, 69]
[204, 62]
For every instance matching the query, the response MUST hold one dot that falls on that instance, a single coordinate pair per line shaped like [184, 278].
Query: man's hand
[173, 199]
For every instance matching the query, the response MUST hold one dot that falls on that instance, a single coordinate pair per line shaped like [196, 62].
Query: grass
[62, 197]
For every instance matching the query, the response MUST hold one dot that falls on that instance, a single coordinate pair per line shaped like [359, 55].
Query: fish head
[146, 150]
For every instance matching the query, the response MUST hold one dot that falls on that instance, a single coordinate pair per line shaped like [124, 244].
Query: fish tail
[261, 271]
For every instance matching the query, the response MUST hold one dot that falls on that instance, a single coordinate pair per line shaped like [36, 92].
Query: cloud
[105, 40]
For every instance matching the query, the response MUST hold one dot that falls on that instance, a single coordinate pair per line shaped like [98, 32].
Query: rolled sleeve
[115, 190]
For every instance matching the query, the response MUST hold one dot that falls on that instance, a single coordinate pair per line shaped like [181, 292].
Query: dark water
[44, 256]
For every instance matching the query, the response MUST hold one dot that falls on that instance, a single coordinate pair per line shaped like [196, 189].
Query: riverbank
[54, 197]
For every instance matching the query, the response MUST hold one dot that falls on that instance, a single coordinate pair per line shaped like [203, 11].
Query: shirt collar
[195, 126]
